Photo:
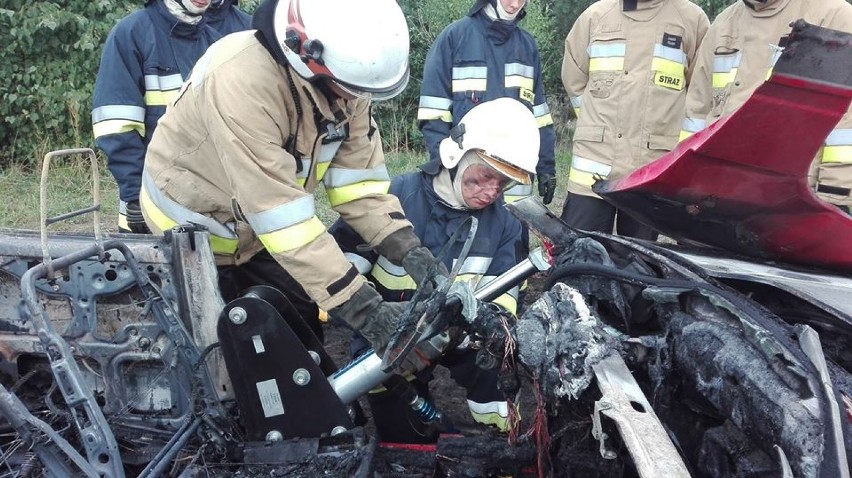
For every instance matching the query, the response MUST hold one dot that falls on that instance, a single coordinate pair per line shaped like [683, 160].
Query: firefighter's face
[196, 7]
[512, 6]
[482, 185]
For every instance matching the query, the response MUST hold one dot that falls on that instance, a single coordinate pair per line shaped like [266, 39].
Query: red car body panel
[741, 183]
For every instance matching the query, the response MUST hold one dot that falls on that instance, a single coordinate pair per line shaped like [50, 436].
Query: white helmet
[362, 46]
[504, 130]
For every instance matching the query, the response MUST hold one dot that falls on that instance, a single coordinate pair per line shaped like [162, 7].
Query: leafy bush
[48, 66]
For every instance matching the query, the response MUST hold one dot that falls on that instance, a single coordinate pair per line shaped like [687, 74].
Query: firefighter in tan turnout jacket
[626, 69]
[265, 116]
[737, 56]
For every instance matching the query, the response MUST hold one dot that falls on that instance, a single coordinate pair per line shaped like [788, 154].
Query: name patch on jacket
[672, 41]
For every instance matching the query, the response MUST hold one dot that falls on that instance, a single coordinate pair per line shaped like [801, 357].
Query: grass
[69, 188]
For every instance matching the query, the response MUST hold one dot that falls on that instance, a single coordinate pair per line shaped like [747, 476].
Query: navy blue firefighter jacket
[145, 59]
[476, 59]
[494, 250]
[227, 18]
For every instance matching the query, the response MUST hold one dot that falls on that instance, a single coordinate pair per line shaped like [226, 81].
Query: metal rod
[69, 215]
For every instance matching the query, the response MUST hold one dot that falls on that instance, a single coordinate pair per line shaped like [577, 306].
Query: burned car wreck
[724, 355]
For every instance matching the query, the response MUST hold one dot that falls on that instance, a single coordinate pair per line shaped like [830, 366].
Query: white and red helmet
[361, 46]
[504, 130]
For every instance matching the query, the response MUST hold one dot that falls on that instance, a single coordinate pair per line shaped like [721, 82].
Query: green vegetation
[52, 49]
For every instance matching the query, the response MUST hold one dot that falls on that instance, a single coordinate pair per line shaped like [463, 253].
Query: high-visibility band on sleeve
[490, 413]
[392, 277]
[542, 115]
[693, 125]
[345, 194]
[114, 119]
[338, 177]
[360, 263]
[284, 215]
[838, 147]
[288, 226]
[586, 171]
[167, 214]
[292, 237]
[108, 127]
[435, 107]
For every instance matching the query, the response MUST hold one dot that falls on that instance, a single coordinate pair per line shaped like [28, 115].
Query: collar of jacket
[480, 4]
[641, 10]
[497, 31]
[765, 9]
[171, 24]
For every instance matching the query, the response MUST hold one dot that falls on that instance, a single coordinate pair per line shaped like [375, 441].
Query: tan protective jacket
[223, 157]
[626, 73]
[737, 56]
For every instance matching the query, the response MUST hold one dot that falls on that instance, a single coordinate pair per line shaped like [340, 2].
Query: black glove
[417, 263]
[135, 221]
[546, 187]
[371, 316]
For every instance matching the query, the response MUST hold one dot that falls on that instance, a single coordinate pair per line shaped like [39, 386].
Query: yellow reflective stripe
[507, 302]
[427, 114]
[292, 237]
[321, 169]
[576, 112]
[768, 73]
[323, 316]
[614, 63]
[667, 66]
[684, 134]
[302, 181]
[163, 222]
[160, 98]
[516, 81]
[721, 80]
[219, 245]
[837, 154]
[345, 194]
[470, 84]
[392, 282]
[581, 177]
[544, 120]
[104, 128]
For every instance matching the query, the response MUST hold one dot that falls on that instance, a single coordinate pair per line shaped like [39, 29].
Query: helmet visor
[515, 174]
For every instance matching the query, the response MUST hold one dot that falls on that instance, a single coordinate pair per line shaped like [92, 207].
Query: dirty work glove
[546, 187]
[417, 263]
[371, 316]
[133, 219]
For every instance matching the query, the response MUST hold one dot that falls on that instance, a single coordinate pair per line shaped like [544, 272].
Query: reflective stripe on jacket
[145, 59]
[494, 249]
[474, 60]
[737, 56]
[226, 151]
[626, 73]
